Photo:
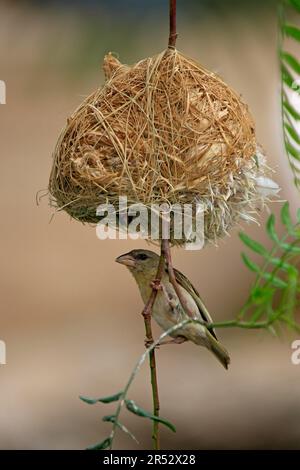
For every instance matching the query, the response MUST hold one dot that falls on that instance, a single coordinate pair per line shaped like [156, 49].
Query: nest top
[162, 130]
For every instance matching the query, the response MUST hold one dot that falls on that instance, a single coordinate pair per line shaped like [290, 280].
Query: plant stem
[167, 255]
[173, 33]
[135, 371]
[147, 312]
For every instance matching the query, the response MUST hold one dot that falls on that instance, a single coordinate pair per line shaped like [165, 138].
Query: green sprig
[290, 76]
[274, 295]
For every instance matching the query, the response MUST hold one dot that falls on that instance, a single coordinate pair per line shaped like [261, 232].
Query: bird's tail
[219, 351]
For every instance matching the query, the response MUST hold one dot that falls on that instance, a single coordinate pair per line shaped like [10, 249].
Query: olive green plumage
[167, 310]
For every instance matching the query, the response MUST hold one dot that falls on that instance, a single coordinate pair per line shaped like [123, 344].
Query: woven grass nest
[165, 130]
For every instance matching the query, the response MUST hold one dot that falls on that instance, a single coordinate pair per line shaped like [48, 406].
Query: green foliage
[102, 445]
[273, 300]
[134, 408]
[295, 4]
[114, 418]
[274, 296]
[110, 399]
[290, 74]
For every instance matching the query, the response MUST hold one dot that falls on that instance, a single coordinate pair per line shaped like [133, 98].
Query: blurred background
[71, 316]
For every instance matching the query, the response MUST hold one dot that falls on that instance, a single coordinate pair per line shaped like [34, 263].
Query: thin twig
[173, 32]
[135, 371]
[147, 312]
[235, 323]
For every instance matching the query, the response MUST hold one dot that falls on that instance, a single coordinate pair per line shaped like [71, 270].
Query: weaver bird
[167, 310]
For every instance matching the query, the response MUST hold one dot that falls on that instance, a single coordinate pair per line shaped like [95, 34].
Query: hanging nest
[165, 130]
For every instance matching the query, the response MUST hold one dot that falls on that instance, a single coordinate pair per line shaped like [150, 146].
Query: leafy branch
[274, 296]
[290, 84]
[122, 398]
[273, 300]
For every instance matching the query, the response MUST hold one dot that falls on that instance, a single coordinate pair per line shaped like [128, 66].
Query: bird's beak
[127, 260]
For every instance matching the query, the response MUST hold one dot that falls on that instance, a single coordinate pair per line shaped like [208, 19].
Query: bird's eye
[142, 256]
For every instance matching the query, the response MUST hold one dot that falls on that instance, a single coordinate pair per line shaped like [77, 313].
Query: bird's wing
[184, 282]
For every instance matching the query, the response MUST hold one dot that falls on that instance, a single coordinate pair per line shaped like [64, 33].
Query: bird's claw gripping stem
[156, 284]
[177, 340]
[149, 343]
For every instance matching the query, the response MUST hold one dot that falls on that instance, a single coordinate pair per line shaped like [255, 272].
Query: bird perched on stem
[167, 310]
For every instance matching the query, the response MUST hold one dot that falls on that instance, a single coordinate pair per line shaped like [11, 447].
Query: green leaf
[276, 281]
[286, 218]
[295, 4]
[253, 245]
[298, 215]
[272, 330]
[292, 150]
[291, 61]
[257, 314]
[290, 110]
[134, 408]
[293, 325]
[289, 247]
[261, 295]
[292, 133]
[287, 77]
[102, 445]
[109, 418]
[250, 264]
[291, 31]
[271, 228]
[279, 263]
[110, 399]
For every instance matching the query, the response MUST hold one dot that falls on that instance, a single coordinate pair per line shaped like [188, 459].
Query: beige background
[69, 315]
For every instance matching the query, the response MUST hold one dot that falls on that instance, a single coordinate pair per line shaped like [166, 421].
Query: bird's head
[141, 263]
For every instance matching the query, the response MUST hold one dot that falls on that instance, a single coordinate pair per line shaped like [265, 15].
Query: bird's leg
[156, 285]
[149, 343]
[171, 299]
[177, 340]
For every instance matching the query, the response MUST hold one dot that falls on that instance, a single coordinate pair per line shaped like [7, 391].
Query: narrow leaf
[286, 218]
[291, 61]
[134, 408]
[279, 263]
[287, 77]
[276, 281]
[292, 150]
[292, 133]
[271, 228]
[290, 110]
[250, 264]
[110, 399]
[102, 445]
[290, 248]
[295, 4]
[291, 31]
[254, 245]
[257, 314]
[261, 295]
[109, 418]
[272, 330]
